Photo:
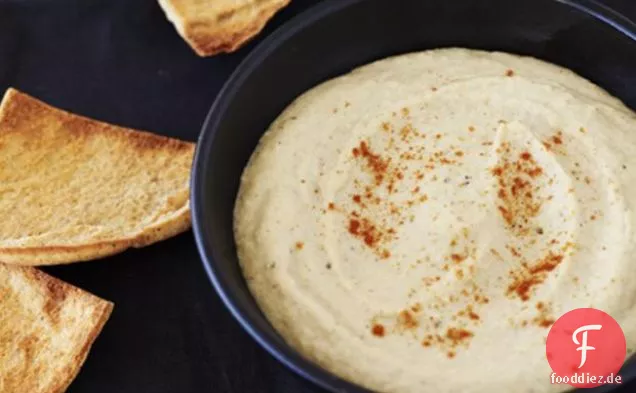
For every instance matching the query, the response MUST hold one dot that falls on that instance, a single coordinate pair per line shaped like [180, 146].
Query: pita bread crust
[215, 26]
[47, 328]
[159, 172]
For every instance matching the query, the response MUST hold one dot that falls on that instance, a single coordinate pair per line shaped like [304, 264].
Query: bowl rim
[286, 354]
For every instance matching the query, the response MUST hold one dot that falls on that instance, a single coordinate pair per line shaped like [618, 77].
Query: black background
[122, 62]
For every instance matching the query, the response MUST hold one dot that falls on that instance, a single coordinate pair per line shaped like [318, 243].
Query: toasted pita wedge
[47, 328]
[74, 189]
[215, 26]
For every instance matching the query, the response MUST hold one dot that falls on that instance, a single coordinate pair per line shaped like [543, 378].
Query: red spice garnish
[367, 232]
[523, 287]
[300, 245]
[517, 185]
[354, 227]
[518, 204]
[549, 263]
[545, 323]
[543, 320]
[534, 172]
[457, 335]
[375, 163]
[377, 330]
[481, 299]
[513, 251]
[471, 128]
[505, 213]
[331, 206]
[406, 320]
[554, 140]
[378, 214]
[534, 275]
[509, 72]
[458, 258]
[372, 224]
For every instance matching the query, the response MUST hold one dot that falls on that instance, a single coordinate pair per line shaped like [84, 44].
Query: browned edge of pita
[59, 289]
[59, 255]
[204, 36]
[18, 106]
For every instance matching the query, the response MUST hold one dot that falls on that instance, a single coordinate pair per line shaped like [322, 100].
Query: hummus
[419, 223]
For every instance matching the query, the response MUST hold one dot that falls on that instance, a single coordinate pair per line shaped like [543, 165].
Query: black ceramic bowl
[338, 35]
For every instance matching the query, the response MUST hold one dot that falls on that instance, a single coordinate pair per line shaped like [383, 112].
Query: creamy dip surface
[419, 223]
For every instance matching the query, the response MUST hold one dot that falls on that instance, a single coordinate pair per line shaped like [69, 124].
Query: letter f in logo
[583, 344]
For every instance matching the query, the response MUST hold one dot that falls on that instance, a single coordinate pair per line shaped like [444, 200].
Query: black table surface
[122, 62]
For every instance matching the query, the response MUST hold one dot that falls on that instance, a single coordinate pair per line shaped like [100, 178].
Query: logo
[586, 348]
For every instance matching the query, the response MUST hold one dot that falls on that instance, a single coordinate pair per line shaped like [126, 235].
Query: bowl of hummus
[405, 196]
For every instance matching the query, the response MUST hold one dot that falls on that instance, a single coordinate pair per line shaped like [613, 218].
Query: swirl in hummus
[419, 223]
